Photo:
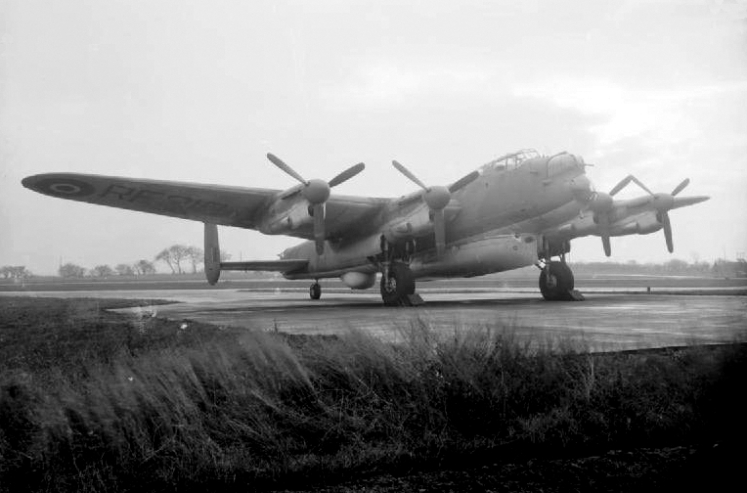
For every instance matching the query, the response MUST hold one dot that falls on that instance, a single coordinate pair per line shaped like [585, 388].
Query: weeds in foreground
[254, 409]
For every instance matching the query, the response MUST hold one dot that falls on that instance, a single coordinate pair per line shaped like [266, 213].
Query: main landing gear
[556, 281]
[398, 285]
[397, 282]
[315, 291]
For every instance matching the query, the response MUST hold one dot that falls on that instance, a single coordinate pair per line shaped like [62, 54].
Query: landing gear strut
[397, 280]
[398, 285]
[315, 291]
[556, 282]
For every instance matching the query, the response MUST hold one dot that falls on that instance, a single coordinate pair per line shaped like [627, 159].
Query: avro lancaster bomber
[518, 210]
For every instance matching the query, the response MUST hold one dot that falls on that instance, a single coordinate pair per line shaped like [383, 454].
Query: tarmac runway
[605, 321]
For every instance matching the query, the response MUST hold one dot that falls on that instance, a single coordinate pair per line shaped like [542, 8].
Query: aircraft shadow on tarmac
[335, 303]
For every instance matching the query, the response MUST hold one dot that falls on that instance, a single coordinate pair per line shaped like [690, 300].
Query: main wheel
[400, 284]
[563, 285]
[315, 291]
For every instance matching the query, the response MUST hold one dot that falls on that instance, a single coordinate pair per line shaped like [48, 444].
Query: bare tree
[196, 257]
[71, 270]
[165, 256]
[173, 256]
[143, 268]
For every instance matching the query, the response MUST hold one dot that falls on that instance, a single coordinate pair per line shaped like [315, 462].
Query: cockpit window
[509, 161]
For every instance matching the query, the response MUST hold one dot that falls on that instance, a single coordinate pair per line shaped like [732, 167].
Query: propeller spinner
[316, 192]
[437, 198]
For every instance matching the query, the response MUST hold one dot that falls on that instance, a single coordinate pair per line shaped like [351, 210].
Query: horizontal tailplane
[266, 265]
[213, 265]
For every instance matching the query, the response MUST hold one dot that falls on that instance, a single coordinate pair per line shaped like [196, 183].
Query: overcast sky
[202, 90]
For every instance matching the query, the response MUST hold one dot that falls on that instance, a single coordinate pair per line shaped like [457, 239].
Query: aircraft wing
[218, 204]
[229, 206]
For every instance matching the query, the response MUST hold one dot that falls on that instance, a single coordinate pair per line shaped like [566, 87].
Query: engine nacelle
[418, 223]
[278, 223]
[601, 202]
[415, 225]
[648, 224]
[359, 280]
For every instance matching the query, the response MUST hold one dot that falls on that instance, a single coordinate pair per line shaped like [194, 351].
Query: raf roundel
[65, 187]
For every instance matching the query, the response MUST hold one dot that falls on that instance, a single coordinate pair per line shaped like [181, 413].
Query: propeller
[316, 192]
[437, 198]
[669, 201]
[662, 202]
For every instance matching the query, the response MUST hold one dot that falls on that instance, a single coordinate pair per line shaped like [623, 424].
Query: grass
[92, 400]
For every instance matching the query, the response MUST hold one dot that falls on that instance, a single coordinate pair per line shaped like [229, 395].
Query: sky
[202, 90]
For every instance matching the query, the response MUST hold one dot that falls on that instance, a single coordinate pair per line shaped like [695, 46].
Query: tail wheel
[315, 291]
[396, 287]
[560, 285]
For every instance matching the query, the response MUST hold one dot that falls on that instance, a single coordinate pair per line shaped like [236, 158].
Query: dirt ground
[711, 467]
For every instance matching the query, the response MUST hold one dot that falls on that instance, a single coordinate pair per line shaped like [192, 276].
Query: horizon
[163, 270]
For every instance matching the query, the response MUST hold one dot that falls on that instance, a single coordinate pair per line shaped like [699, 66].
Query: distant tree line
[677, 267]
[15, 272]
[179, 258]
[139, 268]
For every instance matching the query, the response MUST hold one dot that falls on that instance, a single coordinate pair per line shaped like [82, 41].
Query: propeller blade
[607, 245]
[624, 183]
[464, 181]
[347, 174]
[681, 186]
[408, 174]
[319, 233]
[667, 231]
[439, 227]
[604, 232]
[280, 164]
[638, 182]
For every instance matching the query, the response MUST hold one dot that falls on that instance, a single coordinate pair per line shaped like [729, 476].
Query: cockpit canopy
[509, 161]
